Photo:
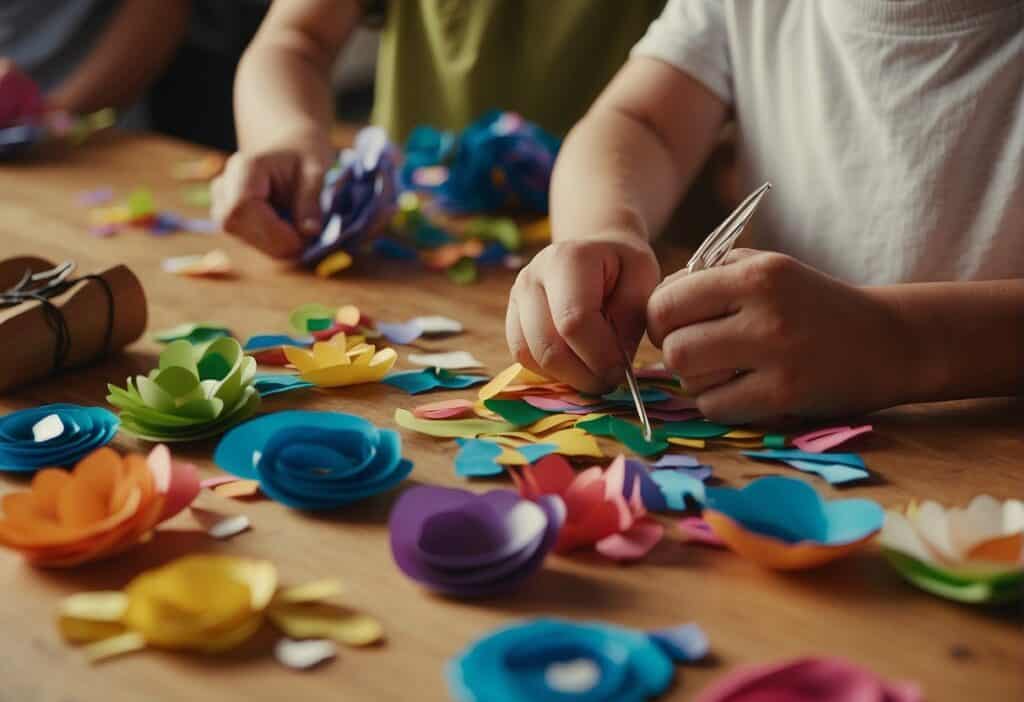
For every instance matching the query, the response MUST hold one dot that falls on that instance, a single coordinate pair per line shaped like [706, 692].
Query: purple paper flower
[467, 545]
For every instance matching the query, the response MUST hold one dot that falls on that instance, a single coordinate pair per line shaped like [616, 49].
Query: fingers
[750, 397]
[576, 301]
[548, 350]
[708, 347]
[697, 384]
[306, 208]
[517, 340]
[703, 296]
[241, 207]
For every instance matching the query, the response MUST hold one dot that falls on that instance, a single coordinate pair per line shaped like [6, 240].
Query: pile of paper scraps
[137, 211]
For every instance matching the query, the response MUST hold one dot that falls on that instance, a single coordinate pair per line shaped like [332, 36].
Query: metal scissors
[709, 254]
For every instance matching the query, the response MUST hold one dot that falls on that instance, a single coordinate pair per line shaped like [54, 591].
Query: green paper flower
[196, 393]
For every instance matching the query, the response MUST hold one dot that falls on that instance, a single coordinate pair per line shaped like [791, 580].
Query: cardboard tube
[29, 341]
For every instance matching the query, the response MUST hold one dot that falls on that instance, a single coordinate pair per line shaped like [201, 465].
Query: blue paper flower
[314, 460]
[53, 435]
[552, 660]
[501, 161]
[358, 196]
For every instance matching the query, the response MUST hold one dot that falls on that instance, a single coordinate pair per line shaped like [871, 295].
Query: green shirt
[446, 62]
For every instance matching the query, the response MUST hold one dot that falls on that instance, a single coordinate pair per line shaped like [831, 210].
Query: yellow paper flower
[342, 360]
[207, 604]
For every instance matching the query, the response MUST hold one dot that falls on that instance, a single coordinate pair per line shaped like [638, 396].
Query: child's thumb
[306, 211]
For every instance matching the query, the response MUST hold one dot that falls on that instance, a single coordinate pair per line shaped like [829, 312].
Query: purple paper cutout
[401, 332]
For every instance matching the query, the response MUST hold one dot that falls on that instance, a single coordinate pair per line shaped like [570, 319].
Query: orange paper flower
[106, 505]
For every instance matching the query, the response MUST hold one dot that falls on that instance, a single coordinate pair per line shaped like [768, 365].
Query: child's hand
[246, 193]
[573, 304]
[766, 336]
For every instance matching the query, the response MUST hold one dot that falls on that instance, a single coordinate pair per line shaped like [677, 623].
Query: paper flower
[53, 435]
[105, 505]
[359, 194]
[547, 660]
[784, 524]
[973, 554]
[207, 604]
[466, 545]
[196, 393]
[341, 361]
[499, 162]
[314, 460]
[598, 513]
[808, 680]
[268, 349]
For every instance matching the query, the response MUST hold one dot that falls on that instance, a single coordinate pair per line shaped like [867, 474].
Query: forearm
[963, 339]
[283, 95]
[137, 44]
[626, 164]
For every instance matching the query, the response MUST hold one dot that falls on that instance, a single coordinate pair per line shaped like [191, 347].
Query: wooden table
[858, 608]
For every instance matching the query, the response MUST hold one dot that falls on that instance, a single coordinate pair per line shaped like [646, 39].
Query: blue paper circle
[314, 460]
[85, 430]
[510, 664]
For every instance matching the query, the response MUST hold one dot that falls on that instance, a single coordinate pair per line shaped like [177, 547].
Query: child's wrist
[914, 370]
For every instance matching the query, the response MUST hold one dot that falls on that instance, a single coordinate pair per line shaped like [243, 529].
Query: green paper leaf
[775, 441]
[517, 412]
[300, 316]
[693, 429]
[601, 426]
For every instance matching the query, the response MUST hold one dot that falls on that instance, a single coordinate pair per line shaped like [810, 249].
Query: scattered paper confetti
[303, 655]
[333, 264]
[477, 457]
[444, 409]
[696, 530]
[341, 361]
[401, 332]
[207, 604]
[450, 360]
[435, 325]
[314, 460]
[195, 333]
[215, 264]
[53, 435]
[782, 523]
[467, 545]
[807, 680]
[238, 489]
[268, 384]
[835, 468]
[195, 393]
[973, 554]
[229, 526]
[416, 382]
[105, 505]
[544, 660]
[825, 439]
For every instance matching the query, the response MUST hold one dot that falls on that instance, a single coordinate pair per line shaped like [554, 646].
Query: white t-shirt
[892, 130]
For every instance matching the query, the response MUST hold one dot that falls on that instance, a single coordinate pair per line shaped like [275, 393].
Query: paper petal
[302, 655]
[450, 360]
[633, 544]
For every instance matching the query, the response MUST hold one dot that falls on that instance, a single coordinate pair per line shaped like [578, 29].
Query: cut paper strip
[782, 523]
[416, 382]
[451, 428]
[696, 530]
[341, 361]
[303, 655]
[401, 332]
[808, 680]
[333, 264]
[684, 644]
[825, 439]
[973, 554]
[105, 505]
[436, 325]
[195, 393]
[214, 264]
[477, 458]
[513, 375]
[314, 460]
[466, 545]
[194, 333]
[552, 660]
[444, 409]
[266, 342]
[449, 360]
[229, 526]
[204, 603]
[835, 468]
[596, 505]
[238, 489]
[268, 384]
[81, 431]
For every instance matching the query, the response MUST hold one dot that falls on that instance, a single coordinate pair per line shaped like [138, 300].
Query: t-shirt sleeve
[692, 36]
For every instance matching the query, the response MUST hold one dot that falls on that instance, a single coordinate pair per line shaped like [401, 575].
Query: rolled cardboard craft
[28, 340]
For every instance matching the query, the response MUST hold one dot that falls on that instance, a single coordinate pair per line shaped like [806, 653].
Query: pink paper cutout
[633, 544]
[822, 440]
[176, 480]
[696, 530]
[444, 409]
